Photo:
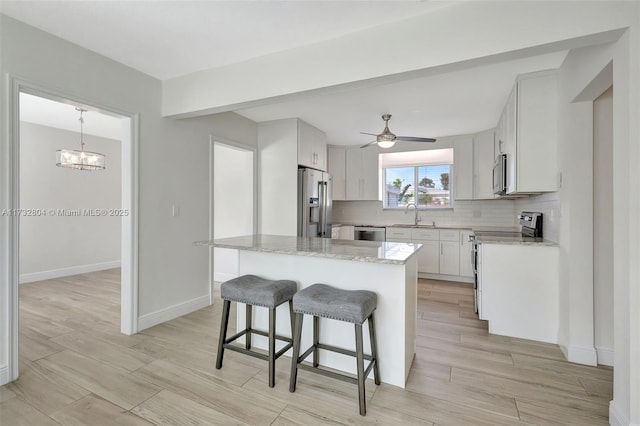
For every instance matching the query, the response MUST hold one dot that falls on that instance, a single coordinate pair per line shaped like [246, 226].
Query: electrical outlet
[175, 210]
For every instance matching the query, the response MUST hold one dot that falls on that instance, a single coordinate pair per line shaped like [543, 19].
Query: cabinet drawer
[425, 234]
[396, 234]
[449, 235]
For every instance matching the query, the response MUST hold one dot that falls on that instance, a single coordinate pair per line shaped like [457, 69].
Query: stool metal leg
[360, 369]
[223, 332]
[316, 341]
[374, 348]
[248, 322]
[297, 337]
[272, 347]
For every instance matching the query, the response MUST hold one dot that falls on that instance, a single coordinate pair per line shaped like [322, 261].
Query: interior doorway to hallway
[128, 202]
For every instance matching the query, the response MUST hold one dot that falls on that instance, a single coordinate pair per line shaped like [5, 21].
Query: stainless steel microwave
[500, 175]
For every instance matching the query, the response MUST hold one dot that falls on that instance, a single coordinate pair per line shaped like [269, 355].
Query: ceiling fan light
[386, 144]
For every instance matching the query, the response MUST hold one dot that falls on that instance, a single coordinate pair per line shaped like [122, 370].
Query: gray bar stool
[255, 291]
[354, 306]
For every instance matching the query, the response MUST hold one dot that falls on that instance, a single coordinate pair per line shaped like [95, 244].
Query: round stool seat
[322, 300]
[257, 291]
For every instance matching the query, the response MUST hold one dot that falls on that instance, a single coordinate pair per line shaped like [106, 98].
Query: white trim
[67, 272]
[616, 418]
[605, 356]
[4, 374]
[457, 278]
[221, 277]
[130, 196]
[581, 355]
[171, 312]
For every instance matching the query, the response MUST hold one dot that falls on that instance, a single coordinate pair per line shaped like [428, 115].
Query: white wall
[54, 245]
[233, 203]
[603, 226]
[173, 163]
[585, 75]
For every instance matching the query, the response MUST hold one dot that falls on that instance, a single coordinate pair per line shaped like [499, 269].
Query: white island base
[395, 316]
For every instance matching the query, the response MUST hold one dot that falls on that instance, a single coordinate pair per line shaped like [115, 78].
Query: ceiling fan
[386, 139]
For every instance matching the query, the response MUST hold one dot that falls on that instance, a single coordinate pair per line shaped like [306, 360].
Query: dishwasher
[369, 233]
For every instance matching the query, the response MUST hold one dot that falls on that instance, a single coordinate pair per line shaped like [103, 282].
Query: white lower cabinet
[429, 257]
[449, 258]
[442, 249]
[519, 290]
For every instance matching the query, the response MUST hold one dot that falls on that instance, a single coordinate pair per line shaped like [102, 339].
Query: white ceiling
[452, 103]
[34, 109]
[167, 39]
[171, 38]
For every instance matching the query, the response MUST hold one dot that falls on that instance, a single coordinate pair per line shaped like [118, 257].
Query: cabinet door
[320, 149]
[466, 268]
[369, 175]
[450, 257]
[463, 168]
[353, 173]
[336, 166]
[346, 232]
[483, 159]
[398, 234]
[306, 136]
[429, 257]
[509, 139]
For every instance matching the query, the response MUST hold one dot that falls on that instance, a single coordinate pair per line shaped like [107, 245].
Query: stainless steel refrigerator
[315, 190]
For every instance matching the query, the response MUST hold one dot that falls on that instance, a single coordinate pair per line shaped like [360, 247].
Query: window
[426, 182]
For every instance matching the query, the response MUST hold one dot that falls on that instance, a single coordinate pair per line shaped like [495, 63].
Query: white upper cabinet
[483, 159]
[527, 133]
[362, 174]
[463, 168]
[336, 166]
[312, 146]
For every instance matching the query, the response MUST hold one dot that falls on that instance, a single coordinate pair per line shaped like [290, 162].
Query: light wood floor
[77, 369]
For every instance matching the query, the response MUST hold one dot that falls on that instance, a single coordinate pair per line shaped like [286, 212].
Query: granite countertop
[519, 241]
[359, 251]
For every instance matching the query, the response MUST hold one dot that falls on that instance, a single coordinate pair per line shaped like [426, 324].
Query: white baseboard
[221, 277]
[66, 272]
[171, 312]
[446, 277]
[605, 356]
[616, 418]
[4, 374]
[581, 355]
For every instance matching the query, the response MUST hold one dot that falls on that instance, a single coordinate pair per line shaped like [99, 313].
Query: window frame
[416, 173]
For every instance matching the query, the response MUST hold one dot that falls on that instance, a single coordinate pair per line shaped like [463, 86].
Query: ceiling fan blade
[414, 139]
[365, 133]
[369, 144]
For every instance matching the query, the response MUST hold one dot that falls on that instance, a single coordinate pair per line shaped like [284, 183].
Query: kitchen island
[386, 268]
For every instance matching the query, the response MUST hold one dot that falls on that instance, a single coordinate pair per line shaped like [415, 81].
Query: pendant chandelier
[80, 160]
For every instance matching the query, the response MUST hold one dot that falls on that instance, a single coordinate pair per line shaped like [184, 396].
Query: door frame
[213, 140]
[130, 200]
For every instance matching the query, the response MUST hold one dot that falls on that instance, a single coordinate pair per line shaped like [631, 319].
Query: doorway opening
[603, 227]
[35, 266]
[234, 201]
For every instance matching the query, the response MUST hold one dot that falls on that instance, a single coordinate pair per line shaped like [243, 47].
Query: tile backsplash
[549, 205]
[501, 213]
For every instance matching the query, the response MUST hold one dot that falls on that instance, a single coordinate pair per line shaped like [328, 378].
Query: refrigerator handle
[321, 196]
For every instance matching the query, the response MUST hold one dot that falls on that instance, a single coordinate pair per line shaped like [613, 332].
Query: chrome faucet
[417, 219]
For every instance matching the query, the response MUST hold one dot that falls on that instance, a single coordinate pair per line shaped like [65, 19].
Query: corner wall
[173, 167]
